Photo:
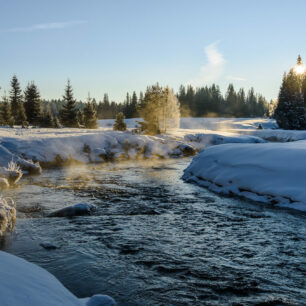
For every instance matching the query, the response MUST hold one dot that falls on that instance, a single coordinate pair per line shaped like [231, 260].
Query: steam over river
[155, 240]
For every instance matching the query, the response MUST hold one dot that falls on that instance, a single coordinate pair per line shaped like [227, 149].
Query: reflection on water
[155, 240]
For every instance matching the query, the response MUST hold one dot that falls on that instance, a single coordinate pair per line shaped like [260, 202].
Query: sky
[119, 46]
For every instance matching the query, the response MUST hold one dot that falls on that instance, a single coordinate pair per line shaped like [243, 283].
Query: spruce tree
[32, 104]
[80, 118]
[290, 112]
[5, 111]
[119, 123]
[47, 119]
[304, 89]
[69, 112]
[90, 115]
[17, 108]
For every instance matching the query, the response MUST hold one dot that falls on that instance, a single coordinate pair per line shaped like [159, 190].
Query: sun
[299, 69]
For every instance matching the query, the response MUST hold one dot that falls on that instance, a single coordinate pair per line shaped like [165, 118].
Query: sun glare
[299, 69]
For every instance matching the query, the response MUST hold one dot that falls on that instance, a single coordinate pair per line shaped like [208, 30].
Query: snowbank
[217, 124]
[6, 157]
[7, 216]
[98, 146]
[60, 146]
[23, 283]
[201, 141]
[265, 172]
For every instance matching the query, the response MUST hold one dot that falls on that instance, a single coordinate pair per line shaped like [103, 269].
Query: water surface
[155, 240]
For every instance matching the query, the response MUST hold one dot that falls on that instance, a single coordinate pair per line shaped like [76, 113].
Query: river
[155, 240]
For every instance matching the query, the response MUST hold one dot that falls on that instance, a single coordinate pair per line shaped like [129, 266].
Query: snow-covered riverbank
[23, 283]
[56, 146]
[266, 172]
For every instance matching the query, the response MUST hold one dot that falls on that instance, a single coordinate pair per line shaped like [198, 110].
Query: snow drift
[23, 283]
[265, 172]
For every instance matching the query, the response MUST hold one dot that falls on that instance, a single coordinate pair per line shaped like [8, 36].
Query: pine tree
[304, 89]
[32, 104]
[80, 118]
[5, 111]
[290, 112]
[17, 108]
[134, 103]
[47, 119]
[69, 112]
[90, 115]
[119, 123]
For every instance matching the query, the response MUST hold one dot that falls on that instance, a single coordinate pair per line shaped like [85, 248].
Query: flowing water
[155, 240]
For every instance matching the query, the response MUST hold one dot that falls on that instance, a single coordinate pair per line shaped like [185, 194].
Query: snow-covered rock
[23, 283]
[266, 172]
[7, 215]
[74, 210]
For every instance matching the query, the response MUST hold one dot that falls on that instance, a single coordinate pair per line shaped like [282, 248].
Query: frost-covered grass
[23, 283]
[7, 215]
[265, 172]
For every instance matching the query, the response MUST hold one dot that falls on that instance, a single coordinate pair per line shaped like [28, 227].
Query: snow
[206, 123]
[23, 283]
[201, 141]
[265, 172]
[59, 145]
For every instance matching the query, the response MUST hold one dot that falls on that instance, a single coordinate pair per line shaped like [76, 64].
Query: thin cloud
[46, 26]
[213, 69]
[236, 78]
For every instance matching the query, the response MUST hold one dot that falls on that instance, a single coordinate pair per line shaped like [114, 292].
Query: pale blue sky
[119, 46]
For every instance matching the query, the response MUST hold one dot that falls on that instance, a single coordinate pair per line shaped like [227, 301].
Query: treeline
[208, 101]
[27, 107]
[194, 102]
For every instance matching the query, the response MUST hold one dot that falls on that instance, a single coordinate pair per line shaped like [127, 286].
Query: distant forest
[205, 101]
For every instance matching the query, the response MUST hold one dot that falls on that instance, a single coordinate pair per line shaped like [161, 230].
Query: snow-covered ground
[103, 144]
[265, 172]
[213, 124]
[23, 283]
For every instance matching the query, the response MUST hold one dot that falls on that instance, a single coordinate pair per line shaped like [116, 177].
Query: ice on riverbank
[265, 172]
[7, 216]
[23, 283]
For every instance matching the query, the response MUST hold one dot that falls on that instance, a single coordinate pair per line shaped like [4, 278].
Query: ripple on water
[155, 240]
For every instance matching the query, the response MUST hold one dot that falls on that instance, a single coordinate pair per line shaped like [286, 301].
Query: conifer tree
[17, 108]
[90, 115]
[32, 104]
[69, 112]
[119, 123]
[47, 119]
[304, 89]
[80, 118]
[134, 103]
[290, 112]
[5, 111]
